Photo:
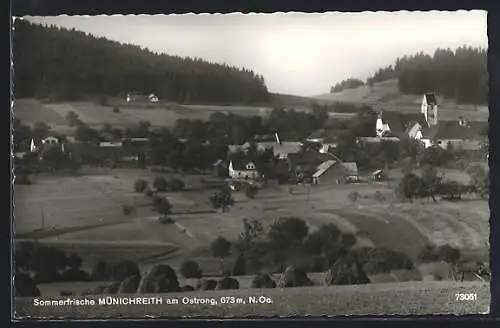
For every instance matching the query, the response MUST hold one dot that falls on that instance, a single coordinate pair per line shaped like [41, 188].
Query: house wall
[244, 174]
[459, 143]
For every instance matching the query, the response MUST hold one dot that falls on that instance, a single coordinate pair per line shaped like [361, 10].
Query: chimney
[277, 138]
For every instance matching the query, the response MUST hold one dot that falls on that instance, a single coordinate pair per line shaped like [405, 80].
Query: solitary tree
[162, 205]
[221, 248]
[222, 199]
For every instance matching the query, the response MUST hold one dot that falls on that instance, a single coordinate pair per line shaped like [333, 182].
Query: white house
[153, 98]
[381, 128]
[50, 140]
[247, 171]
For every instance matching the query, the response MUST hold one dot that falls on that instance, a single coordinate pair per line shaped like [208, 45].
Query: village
[159, 174]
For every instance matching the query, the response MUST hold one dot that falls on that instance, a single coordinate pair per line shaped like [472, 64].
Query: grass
[380, 299]
[86, 210]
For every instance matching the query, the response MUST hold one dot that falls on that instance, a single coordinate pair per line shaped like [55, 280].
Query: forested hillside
[68, 65]
[461, 74]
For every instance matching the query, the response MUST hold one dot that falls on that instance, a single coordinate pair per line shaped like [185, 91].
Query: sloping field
[386, 95]
[87, 210]
[411, 298]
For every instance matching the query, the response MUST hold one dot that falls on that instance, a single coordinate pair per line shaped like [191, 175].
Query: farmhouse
[394, 124]
[132, 97]
[241, 170]
[335, 172]
[460, 134]
[50, 140]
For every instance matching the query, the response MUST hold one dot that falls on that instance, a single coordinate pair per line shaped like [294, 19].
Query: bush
[346, 271]
[101, 271]
[128, 210]
[239, 268]
[25, 286]
[354, 196]
[348, 240]
[161, 279]
[140, 185]
[190, 269]
[162, 205]
[385, 260]
[116, 109]
[148, 192]
[263, 280]
[379, 197]
[165, 219]
[251, 191]
[448, 254]
[176, 184]
[227, 283]
[428, 254]
[124, 269]
[161, 184]
[444, 253]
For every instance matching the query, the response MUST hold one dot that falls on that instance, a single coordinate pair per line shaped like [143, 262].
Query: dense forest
[347, 84]
[61, 64]
[461, 74]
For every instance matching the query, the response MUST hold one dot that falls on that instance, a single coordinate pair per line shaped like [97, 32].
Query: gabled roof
[219, 162]
[400, 123]
[241, 165]
[323, 167]
[430, 98]
[452, 130]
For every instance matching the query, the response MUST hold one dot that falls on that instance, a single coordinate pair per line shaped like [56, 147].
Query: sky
[297, 53]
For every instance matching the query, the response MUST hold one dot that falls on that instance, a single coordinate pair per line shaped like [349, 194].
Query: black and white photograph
[240, 165]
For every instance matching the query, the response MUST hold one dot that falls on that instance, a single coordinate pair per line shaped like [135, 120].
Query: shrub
[176, 184]
[128, 210]
[165, 219]
[116, 109]
[25, 286]
[251, 191]
[346, 271]
[101, 271]
[263, 280]
[140, 185]
[354, 196]
[444, 253]
[124, 269]
[161, 184]
[161, 279]
[190, 269]
[162, 205]
[448, 254]
[379, 197]
[428, 254]
[239, 267]
[385, 260]
[348, 240]
[148, 192]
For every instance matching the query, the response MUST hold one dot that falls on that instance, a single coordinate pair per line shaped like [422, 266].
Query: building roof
[241, 165]
[219, 162]
[376, 172]
[311, 158]
[400, 123]
[352, 168]
[453, 130]
[323, 167]
[430, 98]
[285, 147]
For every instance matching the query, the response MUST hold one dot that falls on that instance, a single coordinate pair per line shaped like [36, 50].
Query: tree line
[461, 75]
[62, 64]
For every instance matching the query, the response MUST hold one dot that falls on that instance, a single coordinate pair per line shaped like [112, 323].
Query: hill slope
[374, 299]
